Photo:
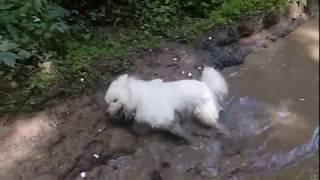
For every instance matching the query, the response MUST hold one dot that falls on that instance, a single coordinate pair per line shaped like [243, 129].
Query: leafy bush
[160, 15]
[36, 29]
[28, 28]
[33, 30]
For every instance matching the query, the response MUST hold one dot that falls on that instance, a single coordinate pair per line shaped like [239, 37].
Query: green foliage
[116, 46]
[226, 13]
[161, 15]
[25, 26]
[29, 29]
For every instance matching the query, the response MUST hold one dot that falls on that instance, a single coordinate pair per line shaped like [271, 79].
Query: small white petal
[283, 114]
[96, 156]
[189, 74]
[209, 38]
[182, 72]
[83, 174]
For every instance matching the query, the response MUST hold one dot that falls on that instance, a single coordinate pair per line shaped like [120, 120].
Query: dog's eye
[115, 100]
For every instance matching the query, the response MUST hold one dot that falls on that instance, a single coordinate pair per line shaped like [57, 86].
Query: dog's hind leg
[208, 114]
[177, 130]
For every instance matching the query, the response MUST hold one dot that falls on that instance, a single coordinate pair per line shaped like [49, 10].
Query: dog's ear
[122, 77]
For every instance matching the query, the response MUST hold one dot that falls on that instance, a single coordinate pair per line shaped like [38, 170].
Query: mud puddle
[272, 113]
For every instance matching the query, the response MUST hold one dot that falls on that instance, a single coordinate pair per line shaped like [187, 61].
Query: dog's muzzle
[122, 117]
[117, 114]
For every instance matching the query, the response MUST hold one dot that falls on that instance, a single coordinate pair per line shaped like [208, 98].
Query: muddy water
[286, 76]
[272, 113]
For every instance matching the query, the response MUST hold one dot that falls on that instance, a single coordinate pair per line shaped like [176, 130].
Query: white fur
[155, 102]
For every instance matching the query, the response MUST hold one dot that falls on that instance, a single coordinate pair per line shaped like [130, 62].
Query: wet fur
[157, 103]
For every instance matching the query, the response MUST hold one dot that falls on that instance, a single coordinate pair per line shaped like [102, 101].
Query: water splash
[298, 153]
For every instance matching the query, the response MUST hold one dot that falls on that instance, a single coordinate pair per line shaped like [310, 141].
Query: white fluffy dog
[157, 103]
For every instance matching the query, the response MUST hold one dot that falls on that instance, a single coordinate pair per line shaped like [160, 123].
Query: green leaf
[204, 4]
[6, 45]
[12, 31]
[4, 6]
[23, 54]
[59, 27]
[8, 58]
[39, 4]
[56, 11]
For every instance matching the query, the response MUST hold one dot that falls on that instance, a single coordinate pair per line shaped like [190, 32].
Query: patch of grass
[31, 91]
[192, 28]
[115, 45]
[113, 51]
[76, 71]
[35, 86]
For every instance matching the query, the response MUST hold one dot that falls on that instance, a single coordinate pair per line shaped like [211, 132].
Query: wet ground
[272, 113]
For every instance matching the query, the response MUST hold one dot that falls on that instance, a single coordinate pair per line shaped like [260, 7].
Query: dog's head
[117, 96]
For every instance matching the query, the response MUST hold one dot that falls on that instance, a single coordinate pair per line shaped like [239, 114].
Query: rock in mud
[250, 25]
[222, 57]
[121, 141]
[271, 18]
[254, 23]
[223, 36]
[141, 129]
[111, 143]
[155, 175]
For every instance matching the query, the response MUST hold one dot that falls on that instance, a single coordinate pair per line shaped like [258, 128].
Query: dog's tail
[215, 82]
